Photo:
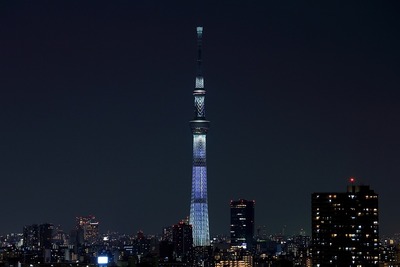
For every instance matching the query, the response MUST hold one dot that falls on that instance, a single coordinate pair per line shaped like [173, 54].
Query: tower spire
[199, 76]
[199, 126]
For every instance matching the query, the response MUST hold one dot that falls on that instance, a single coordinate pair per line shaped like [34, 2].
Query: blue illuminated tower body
[199, 125]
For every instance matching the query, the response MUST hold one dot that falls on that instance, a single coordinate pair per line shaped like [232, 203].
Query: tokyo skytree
[199, 125]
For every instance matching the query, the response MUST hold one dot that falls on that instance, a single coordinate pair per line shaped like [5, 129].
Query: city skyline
[95, 98]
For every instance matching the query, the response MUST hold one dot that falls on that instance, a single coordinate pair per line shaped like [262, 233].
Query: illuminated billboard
[102, 260]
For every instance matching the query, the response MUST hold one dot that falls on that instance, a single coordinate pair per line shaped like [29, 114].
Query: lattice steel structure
[199, 125]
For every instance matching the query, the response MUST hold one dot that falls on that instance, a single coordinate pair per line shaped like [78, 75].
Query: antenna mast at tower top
[199, 75]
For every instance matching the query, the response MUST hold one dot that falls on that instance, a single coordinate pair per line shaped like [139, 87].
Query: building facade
[182, 240]
[90, 227]
[199, 126]
[31, 237]
[345, 227]
[37, 242]
[242, 223]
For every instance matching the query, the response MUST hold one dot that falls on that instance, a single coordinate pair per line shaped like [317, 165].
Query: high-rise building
[182, 240]
[31, 237]
[90, 227]
[59, 236]
[46, 240]
[242, 223]
[199, 126]
[345, 227]
[167, 234]
[38, 242]
[46, 235]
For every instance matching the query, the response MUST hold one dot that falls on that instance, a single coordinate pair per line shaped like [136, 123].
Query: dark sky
[95, 99]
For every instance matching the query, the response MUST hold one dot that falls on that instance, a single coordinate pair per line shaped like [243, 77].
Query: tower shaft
[199, 125]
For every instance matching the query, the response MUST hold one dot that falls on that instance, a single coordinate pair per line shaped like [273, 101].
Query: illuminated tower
[199, 126]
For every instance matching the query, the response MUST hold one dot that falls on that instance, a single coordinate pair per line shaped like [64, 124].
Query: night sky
[96, 98]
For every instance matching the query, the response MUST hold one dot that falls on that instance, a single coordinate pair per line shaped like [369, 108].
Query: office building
[242, 223]
[31, 237]
[89, 226]
[182, 240]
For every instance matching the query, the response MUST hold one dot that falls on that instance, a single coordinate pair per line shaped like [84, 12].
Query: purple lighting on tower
[199, 125]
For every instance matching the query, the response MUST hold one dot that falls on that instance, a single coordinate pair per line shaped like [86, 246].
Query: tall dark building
[242, 223]
[46, 240]
[38, 242]
[46, 235]
[182, 240]
[345, 227]
[31, 237]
